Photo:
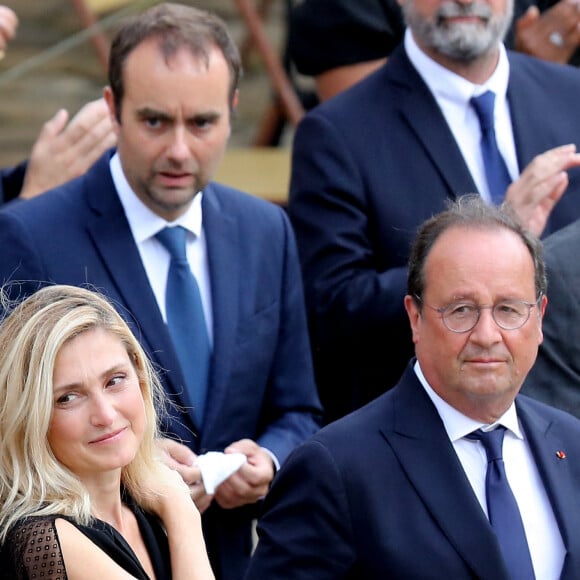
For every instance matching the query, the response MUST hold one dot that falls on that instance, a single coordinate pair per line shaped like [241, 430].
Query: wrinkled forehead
[480, 261]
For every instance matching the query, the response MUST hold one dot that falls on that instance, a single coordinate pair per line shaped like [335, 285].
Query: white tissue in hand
[216, 467]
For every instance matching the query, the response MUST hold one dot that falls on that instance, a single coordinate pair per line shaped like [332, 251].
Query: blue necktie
[498, 177]
[503, 511]
[186, 320]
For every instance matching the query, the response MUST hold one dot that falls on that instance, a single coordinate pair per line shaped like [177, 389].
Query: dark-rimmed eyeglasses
[508, 314]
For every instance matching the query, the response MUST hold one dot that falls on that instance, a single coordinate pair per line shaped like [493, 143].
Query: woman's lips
[109, 437]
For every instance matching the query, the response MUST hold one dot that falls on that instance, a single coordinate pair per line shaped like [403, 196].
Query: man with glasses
[451, 474]
[463, 316]
[451, 112]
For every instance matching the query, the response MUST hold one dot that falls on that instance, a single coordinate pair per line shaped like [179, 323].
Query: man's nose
[179, 147]
[486, 331]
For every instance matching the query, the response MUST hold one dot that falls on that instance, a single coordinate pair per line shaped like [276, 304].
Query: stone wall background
[30, 95]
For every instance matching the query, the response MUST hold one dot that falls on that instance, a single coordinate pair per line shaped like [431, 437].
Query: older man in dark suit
[406, 487]
[371, 164]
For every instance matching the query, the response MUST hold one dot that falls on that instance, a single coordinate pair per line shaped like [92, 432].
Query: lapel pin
[560, 455]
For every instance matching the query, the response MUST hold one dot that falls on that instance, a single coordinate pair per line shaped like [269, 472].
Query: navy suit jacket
[381, 493]
[555, 376]
[261, 384]
[369, 166]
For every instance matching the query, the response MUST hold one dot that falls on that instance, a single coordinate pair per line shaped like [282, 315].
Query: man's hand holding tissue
[247, 485]
[252, 481]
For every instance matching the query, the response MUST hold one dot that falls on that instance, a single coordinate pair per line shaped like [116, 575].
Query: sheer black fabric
[32, 549]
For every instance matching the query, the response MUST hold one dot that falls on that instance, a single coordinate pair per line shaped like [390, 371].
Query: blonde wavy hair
[32, 481]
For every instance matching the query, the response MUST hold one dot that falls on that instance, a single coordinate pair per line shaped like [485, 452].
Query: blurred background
[52, 63]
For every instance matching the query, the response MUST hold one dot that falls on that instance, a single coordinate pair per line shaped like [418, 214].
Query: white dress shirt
[453, 93]
[542, 532]
[145, 224]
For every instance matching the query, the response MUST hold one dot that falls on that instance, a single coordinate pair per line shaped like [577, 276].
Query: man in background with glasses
[450, 474]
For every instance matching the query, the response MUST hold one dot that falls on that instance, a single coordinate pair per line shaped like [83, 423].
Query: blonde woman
[82, 494]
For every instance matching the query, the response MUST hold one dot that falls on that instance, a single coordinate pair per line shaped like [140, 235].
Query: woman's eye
[116, 380]
[67, 398]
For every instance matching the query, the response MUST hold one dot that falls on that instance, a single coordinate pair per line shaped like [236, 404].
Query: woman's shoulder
[33, 532]
[32, 550]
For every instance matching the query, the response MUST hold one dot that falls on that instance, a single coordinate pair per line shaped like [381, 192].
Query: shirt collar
[459, 425]
[145, 223]
[447, 85]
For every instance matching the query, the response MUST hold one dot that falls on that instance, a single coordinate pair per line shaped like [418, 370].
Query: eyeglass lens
[509, 315]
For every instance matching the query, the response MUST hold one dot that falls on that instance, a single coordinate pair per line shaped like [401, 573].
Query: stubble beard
[159, 197]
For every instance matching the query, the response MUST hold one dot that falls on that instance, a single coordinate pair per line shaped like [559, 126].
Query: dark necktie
[497, 175]
[186, 320]
[502, 507]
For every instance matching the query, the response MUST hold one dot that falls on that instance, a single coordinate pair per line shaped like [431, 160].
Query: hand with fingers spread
[551, 35]
[252, 481]
[181, 459]
[541, 185]
[63, 152]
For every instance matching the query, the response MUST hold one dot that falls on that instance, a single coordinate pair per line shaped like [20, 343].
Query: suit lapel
[114, 242]
[532, 135]
[224, 265]
[421, 113]
[422, 446]
[545, 441]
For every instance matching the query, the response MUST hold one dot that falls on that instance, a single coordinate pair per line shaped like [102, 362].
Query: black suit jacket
[381, 493]
[369, 166]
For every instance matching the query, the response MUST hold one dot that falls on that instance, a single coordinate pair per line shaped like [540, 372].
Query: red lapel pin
[560, 455]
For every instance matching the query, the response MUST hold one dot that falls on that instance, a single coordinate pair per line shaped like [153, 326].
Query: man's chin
[487, 383]
[464, 41]
[169, 201]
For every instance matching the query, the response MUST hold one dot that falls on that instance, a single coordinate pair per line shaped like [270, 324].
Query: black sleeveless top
[32, 549]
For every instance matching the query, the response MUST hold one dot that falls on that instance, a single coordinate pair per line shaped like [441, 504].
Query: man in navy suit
[173, 79]
[397, 489]
[371, 164]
